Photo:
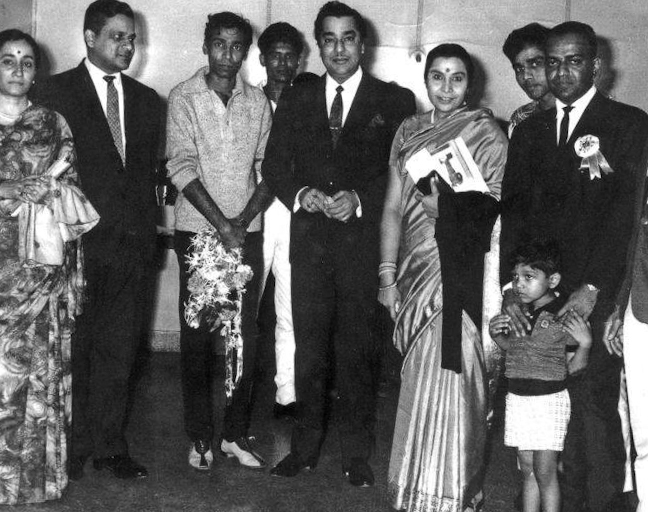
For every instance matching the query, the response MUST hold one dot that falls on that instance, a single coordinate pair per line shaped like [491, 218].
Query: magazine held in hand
[452, 162]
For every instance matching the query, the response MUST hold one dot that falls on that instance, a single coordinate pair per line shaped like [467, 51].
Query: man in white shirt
[326, 160]
[281, 46]
[115, 121]
[571, 176]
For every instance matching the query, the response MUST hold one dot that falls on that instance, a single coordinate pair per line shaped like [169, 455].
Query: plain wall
[170, 36]
[16, 14]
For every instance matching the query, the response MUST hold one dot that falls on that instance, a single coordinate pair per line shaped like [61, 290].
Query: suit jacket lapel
[319, 114]
[550, 132]
[90, 97]
[589, 121]
[95, 110]
[130, 104]
[361, 105]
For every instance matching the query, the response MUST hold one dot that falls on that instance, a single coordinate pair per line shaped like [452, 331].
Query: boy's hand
[578, 328]
[500, 325]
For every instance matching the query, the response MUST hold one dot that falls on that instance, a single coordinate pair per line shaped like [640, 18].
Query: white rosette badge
[588, 148]
[217, 284]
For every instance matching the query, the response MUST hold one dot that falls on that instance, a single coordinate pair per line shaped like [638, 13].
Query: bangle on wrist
[386, 266]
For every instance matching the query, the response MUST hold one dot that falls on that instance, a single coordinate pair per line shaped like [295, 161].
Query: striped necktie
[112, 108]
[335, 118]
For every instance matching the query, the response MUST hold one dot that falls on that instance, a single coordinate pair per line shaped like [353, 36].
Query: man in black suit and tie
[326, 160]
[571, 176]
[115, 122]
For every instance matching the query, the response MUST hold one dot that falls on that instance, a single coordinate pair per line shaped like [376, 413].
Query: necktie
[564, 126]
[335, 118]
[112, 108]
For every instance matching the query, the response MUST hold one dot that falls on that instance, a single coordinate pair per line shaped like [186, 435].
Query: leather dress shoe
[121, 466]
[75, 470]
[200, 455]
[242, 449]
[359, 473]
[284, 412]
[290, 466]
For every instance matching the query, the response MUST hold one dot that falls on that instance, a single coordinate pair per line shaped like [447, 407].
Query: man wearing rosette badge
[571, 176]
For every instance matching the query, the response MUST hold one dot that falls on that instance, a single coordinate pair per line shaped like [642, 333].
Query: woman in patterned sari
[437, 458]
[40, 281]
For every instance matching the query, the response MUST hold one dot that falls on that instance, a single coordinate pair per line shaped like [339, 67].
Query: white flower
[217, 282]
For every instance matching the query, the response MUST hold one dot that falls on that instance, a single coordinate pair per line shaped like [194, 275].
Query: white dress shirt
[576, 113]
[101, 86]
[350, 86]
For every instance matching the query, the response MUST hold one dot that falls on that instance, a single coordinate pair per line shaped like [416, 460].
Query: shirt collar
[240, 87]
[580, 104]
[350, 85]
[97, 74]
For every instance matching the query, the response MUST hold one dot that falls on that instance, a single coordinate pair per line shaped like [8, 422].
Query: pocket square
[377, 120]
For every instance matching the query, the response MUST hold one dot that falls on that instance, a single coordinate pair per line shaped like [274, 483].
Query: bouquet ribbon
[216, 286]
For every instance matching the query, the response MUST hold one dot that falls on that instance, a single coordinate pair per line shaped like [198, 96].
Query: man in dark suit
[571, 175]
[115, 122]
[326, 160]
[626, 335]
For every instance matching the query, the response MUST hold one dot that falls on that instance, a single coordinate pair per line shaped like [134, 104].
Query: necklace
[9, 117]
[13, 117]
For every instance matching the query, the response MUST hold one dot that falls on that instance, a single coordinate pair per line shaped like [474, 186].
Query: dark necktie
[564, 126]
[112, 110]
[335, 118]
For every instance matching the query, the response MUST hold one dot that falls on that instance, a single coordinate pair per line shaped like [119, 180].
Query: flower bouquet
[216, 286]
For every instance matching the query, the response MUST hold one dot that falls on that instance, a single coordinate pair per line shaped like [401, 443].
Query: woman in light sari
[42, 215]
[433, 224]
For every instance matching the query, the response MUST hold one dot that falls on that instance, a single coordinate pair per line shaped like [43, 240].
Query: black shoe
[284, 412]
[121, 466]
[290, 466]
[75, 470]
[359, 473]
